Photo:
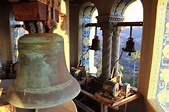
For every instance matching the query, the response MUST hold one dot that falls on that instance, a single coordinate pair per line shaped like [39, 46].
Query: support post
[115, 50]
[104, 108]
[105, 22]
[107, 34]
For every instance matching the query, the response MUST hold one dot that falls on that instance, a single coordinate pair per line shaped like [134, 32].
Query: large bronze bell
[95, 44]
[129, 46]
[42, 78]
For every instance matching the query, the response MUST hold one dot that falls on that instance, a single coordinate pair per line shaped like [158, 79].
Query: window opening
[129, 65]
[98, 54]
[92, 59]
[17, 31]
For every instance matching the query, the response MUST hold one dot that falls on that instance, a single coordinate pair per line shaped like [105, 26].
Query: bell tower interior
[84, 55]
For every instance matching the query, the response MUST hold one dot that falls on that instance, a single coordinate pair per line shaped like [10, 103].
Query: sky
[134, 12]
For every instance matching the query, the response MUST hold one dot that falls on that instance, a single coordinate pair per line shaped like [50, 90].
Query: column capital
[109, 19]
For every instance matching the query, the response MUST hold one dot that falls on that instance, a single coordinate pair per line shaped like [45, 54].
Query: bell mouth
[129, 46]
[43, 99]
[95, 44]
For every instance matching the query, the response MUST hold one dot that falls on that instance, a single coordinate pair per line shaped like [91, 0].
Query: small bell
[95, 44]
[130, 44]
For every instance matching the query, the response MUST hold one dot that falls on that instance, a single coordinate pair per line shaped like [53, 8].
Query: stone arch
[118, 9]
[120, 6]
[85, 16]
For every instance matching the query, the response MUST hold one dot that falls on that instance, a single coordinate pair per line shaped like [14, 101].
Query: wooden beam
[31, 11]
[126, 100]
[112, 103]
[57, 2]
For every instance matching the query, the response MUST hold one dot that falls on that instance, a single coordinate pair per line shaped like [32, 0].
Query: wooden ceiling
[2, 2]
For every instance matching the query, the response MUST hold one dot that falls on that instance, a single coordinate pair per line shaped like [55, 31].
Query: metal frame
[117, 24]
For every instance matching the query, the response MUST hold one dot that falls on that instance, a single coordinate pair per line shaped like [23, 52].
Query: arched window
[88, 58]
[16, 33]
[130, 64]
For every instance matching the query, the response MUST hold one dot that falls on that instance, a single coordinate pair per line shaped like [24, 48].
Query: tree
[134, 57]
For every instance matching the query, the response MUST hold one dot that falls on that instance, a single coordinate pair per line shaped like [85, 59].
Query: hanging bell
[95, 44]
[42, 79]
[129, 46]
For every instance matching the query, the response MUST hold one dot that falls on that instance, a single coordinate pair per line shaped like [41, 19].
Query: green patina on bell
[42, 77]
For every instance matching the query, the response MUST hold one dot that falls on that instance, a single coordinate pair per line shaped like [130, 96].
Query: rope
[80, 61]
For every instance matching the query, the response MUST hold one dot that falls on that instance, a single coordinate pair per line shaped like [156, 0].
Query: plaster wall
[150, 9]
[63, 29]
[102, 6]
[5, 48]
[73, 28]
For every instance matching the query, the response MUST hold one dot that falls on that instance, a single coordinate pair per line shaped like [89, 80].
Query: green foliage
[126, 71]
[99, 70]
[130, 72]
[128, 78]
[135, 56]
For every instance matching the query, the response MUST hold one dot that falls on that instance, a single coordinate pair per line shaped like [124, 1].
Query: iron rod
[129, 24]
[104, 108]
[18, 26]
[91, 24]
[83, 106]
[130, 31]
[96, 31]
[118, 24]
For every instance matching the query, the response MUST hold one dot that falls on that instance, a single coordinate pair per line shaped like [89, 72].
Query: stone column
[107, 23]
[115, 46]
[115, 50]
[107, 33]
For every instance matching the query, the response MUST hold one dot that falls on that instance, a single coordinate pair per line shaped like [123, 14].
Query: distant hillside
[124, 61]
[127, 64]
[136, 35]
[124, 35]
